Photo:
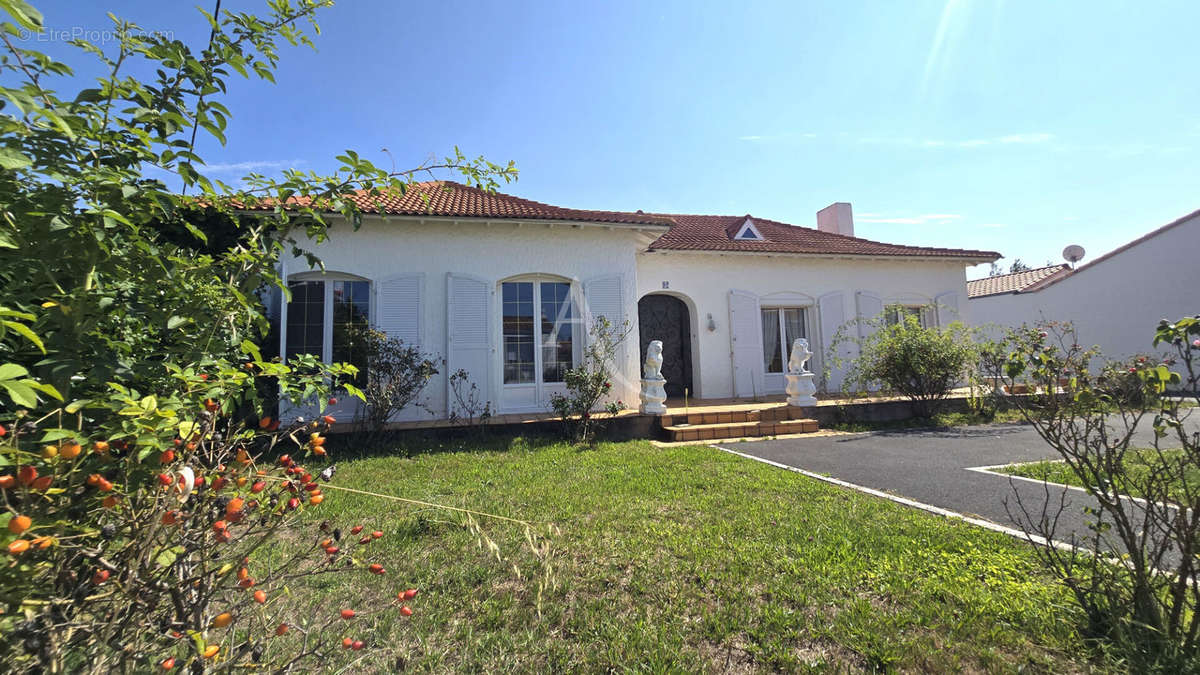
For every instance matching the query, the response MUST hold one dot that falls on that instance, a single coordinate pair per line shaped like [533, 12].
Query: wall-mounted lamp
[712, 325]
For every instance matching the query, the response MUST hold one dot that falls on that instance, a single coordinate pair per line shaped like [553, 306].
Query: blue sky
[1018, 126]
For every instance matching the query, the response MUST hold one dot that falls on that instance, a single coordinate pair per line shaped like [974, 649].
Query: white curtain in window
[772, 358]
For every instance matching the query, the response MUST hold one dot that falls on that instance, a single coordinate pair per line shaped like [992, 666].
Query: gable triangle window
[748, 232]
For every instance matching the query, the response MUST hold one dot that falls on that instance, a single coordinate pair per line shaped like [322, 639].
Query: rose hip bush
[131, 545]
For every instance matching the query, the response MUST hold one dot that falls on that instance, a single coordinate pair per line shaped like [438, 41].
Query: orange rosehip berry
[375, 568]
[110, 502]
[281, 629]
[100, 446]
[18, 546]
[356, 529]
[100, 576]
[377, 534]
[211, 651]
[26, 475]
[42, 542]
[347, 614]
[235, 505]
[260, 597]
[168, 663]
[328, 419]
[71, 450]
[347, 643]
[406, 610]
[264, 422]
[19, 524]
[316, 499]
[222, 620]
[7, 481]
[42, 483]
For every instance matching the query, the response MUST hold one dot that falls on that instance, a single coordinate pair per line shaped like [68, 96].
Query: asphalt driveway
[932, 467]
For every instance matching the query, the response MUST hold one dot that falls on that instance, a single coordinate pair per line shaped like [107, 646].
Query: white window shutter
[469, 333]
[399, 308]
[831, 309]
[603, 297]
[745, 335]
[946, 306]
[869, 307]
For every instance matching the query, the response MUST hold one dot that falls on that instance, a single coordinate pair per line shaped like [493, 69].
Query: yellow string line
[429, 504]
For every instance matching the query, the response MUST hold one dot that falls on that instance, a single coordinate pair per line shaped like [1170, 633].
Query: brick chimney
[836, 218]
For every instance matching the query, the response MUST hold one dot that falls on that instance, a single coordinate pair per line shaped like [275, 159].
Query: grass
[941, 420]
[678, 559]
[1136, 466]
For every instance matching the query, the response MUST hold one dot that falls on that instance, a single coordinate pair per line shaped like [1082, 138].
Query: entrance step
[741, 429]
[775, 413]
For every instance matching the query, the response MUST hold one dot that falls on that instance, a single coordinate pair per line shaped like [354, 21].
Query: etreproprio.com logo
[92, 35]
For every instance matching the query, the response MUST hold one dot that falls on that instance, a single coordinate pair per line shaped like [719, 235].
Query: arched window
[324, 316]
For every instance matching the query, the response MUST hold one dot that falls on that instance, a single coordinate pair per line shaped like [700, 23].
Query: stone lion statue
[653, 368]
[800, 356]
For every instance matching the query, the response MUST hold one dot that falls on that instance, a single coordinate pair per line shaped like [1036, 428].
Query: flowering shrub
[132, 542]
[1145, 603]
[590, 383]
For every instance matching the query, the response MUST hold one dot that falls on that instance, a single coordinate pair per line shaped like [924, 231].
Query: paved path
[931, 467]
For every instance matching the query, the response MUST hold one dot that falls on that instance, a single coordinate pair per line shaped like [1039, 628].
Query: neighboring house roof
[712, 233]
[1015, 282]
[1044, 277]
[686, 233]
[1116, 251]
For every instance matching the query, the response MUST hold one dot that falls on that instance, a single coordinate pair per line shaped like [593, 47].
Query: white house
[1115, 301]
[503, 288]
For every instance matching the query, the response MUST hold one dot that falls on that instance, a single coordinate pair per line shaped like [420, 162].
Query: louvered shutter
[869, 307]
[469, 332]
[832, 314]
[946, 306]
[745, 336]
[399, 307]
[603, 297]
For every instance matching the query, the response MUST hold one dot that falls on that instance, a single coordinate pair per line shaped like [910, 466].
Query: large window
[780, 327]
[551, 329]
[324, 317]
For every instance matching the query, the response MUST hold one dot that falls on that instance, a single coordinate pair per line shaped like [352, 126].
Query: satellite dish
[1073, 254]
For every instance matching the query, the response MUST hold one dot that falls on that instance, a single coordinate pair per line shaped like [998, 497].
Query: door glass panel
[772, 356]
[351, 310]
[306, 319]
[558, 351]
[793, 326]
[517, 298]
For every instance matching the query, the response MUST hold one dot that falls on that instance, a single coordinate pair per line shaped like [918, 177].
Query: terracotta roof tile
[687, 232]
[1014, 283]
[711, 233]
[447, 198]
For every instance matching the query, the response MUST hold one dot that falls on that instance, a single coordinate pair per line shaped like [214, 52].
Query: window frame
[891, 313]
[575, 321]
[784, 341]
[327, 318]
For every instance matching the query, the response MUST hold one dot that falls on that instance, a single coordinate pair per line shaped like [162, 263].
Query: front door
[666, 318]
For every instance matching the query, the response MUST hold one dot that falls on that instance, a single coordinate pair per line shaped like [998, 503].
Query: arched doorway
[666, 318]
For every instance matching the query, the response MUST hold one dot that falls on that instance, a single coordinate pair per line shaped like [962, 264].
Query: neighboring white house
[1115, 301]
[504, 287]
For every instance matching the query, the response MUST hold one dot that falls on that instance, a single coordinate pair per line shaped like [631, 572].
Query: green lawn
[1136, 466]
[682, 559]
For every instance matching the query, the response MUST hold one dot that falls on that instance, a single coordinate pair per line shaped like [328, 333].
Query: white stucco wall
[704, 280]
[1117, 301]
[380, 249]
[383, 249]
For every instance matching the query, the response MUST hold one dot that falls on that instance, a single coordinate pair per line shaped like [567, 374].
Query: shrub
[111, 567]
[1146, 603]
[590, 383]
[396, 374]
[921, 363]
[468, 409]
[132, 542]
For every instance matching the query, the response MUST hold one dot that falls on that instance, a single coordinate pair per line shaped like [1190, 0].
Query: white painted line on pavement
[947, 513]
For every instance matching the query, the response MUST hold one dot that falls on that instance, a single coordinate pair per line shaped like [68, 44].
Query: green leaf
[252, 350]
[11, 371]
[57, 435]
[176, 321]
[23, 13]
[27, 332]
[11, 159]
[21, 394]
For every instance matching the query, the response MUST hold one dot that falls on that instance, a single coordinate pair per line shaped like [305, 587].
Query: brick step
[772, 414]
[708, 432]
